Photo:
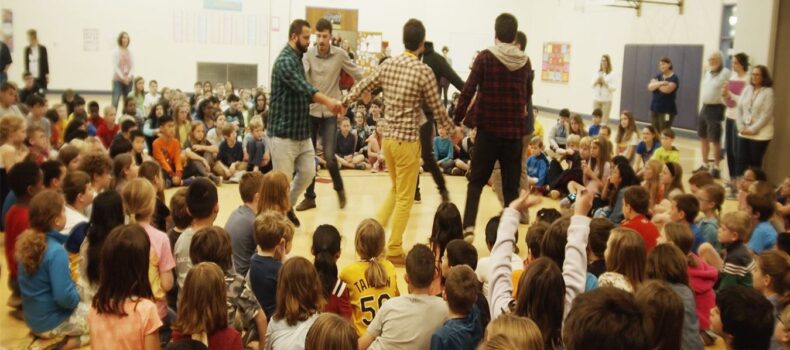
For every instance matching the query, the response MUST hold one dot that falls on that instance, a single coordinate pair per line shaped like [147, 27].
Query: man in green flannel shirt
[289, 114]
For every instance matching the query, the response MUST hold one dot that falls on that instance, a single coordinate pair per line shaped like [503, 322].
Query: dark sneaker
[715, 172]
[469, 234]
[293, 218]
[701, 168]
[307, 203]
[417, 197]
[341, 199]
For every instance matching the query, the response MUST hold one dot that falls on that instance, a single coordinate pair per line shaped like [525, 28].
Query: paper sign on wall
[556, 62]
[90, 39]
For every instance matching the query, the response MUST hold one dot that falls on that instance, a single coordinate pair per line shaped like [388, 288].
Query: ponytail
[30, 250]
[45, 208]
[326, 247]
[376, 274]
[369, 243]
[326, 267]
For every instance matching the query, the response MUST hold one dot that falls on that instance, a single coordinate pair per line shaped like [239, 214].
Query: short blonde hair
[10, 124]
[573, 140]
[585, 141]
[536, 141]
[738, 222]
[521, 332]
[256, 124]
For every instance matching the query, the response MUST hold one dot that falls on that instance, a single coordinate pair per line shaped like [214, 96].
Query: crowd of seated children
[89, 259]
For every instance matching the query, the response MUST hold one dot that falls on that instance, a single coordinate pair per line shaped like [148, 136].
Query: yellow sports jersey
[367, 300]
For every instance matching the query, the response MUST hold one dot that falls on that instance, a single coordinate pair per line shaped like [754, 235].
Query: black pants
[426, 152]
[751, 153]
[488, 150]
[731, 147]
[327, 127]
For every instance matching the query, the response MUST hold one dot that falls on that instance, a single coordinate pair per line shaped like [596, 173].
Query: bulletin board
[556, 62]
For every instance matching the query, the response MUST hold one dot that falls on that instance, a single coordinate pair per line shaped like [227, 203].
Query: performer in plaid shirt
[289, 114]
[498, 113]
[407, 84]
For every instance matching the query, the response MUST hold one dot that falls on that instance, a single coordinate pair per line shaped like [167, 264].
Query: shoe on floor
[716, 173]
[341, 199]
[292, 216]
[307, 203]
[469, 234]
[554, 194]
[417, 197]
[397, 260]
[217, 180]
[456, 172]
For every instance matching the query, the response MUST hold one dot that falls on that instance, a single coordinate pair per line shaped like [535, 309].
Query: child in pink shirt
[123, 315]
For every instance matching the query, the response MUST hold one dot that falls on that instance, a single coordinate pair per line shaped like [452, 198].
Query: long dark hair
[107, 213]
[446, 227]
[326, 246]
[627, 178]
[541, 297]
[124, 272]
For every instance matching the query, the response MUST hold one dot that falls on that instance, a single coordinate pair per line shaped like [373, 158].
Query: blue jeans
[119, 89]
[297, 158]
[327, 128]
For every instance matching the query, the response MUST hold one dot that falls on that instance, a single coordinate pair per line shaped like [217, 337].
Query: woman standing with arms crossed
[664, 88]
[755, 118]
[123, 69]
[603, 87]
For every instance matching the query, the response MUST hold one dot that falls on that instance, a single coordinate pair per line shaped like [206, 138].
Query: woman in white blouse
[603, 87]
[755, 118]
[123, 69]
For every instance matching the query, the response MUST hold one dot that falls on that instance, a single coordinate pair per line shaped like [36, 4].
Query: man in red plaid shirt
[497, 89]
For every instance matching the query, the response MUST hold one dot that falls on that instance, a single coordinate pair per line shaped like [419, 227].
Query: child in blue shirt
[761, 208]
[648, 145]
[537, 163]
[443, 150]
[463, 329]
[50, 299]
[595, 128]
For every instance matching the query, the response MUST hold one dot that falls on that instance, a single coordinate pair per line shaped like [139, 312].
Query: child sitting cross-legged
[167, 151]
[231, 154]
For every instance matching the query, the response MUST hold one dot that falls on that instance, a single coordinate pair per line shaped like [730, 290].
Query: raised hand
[584, 198]
[524, 201]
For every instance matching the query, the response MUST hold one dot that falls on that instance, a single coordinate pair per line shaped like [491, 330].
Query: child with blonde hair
[139, 203]
[513, 332]
[330, 331]
[371, 280]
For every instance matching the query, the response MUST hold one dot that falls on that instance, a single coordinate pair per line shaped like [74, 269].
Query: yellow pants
[403, 162]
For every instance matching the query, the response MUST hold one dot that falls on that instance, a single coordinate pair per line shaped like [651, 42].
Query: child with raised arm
[574, 268]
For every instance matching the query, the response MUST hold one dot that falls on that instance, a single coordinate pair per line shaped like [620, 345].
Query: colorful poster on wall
[7, 30]
[556, 62]
[227, 5]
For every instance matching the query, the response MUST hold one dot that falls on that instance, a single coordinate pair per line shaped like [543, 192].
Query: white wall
[157, 51]
[596, 30]
[463, 25]
[757, 28]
